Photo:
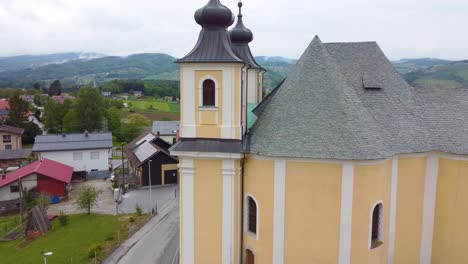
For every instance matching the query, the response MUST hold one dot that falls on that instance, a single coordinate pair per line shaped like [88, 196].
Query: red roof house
[52, 177]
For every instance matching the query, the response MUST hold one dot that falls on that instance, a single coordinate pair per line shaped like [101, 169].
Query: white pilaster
[188, 127]
[186, 170]
[347, 188]
[278, 211]
[393, 208]
[430, 189]
[228, 172]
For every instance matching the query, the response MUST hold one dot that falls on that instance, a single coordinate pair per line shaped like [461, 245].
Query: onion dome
[214, 43]
[214, 14]
[239, 33]
[240, 37]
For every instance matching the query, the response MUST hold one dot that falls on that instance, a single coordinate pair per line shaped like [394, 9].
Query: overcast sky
[403, 28]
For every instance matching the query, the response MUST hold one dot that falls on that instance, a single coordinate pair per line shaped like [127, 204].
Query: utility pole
[149, 177]
[20, 187]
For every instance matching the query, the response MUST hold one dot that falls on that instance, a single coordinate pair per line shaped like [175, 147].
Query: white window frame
[75, 155]
[200, 93]
[96, 155]
[246, 217]
[380, 227]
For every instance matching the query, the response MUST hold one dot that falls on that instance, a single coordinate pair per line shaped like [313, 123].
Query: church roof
[214, 42]
[241, 36]
[346, 101]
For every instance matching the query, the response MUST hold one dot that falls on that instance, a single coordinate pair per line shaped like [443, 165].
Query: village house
[87, 153]
[150, 160]
[43, 176]
[345, 162]
[4, 109]
[106, 94]
[61, 98]
[28, 98]
[10, 137]
[166, 130]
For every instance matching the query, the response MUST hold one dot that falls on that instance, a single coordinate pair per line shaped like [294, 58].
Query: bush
[63, 219]
[94, 249]
[138, 210]
[131, 219]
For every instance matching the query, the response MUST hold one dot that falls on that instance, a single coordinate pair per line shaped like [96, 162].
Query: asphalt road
[156, 243]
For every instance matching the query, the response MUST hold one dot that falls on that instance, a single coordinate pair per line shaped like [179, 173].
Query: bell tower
[213, 85]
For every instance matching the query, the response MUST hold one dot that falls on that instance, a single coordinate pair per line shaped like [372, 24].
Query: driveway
[105, 203]
[160, 195]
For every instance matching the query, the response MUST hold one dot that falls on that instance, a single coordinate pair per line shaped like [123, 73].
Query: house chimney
[63, 135]
[158, 134]
[86, 133]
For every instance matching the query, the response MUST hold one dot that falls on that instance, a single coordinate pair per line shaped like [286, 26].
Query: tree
[138, 120]
[54, 114]
[19, 108]
[37, 86]
[70, 122]
[55, 88]
[89, 107]
[31, 130]
[87, 197]
[113, 119]
[40, 100]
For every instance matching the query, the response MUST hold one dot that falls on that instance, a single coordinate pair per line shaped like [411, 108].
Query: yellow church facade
[345, 163]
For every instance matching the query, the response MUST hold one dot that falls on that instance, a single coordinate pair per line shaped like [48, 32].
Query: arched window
[209, 93]
[376, 226]
[250, 256]
[252, 215]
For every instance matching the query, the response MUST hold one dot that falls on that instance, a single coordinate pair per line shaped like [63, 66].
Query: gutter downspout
[242, 162]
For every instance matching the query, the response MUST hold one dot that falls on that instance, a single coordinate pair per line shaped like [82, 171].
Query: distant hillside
[277, 69]
[447, 75]
[34, 61]
[85, 68]
[139, 66]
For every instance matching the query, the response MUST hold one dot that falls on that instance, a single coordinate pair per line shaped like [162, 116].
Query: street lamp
[45, 255]
[149, 177]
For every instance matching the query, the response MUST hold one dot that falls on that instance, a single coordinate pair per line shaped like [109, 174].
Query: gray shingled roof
[323, 110]
[12, 154]
[73, 142]
[166, 128]
[213, 45]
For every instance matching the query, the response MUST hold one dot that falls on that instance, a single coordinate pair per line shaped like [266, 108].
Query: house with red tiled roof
[4, 109]
[42, 176]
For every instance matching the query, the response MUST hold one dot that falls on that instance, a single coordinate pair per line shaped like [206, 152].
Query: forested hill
[88, 68]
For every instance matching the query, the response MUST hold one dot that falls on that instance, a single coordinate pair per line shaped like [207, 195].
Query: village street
[156, 242]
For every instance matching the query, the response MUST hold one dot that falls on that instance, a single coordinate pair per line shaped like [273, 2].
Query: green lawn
[70, 243]
[153, 105]
[7, 223]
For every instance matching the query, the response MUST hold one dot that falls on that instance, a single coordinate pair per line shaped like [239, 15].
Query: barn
[46, 176]
[150, 160]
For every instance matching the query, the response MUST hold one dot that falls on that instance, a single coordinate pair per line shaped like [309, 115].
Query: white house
[86, 152]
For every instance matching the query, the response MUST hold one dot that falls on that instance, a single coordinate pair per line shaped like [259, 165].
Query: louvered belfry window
[209, 95]
[252, 215]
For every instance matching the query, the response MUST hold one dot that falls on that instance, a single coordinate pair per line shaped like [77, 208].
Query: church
[343, 162]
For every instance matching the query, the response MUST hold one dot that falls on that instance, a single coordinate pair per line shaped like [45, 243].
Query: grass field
[70, 243]
[7, 223]
[153, 105]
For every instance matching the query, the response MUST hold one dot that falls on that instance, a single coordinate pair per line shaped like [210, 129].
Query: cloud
[411, 28]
